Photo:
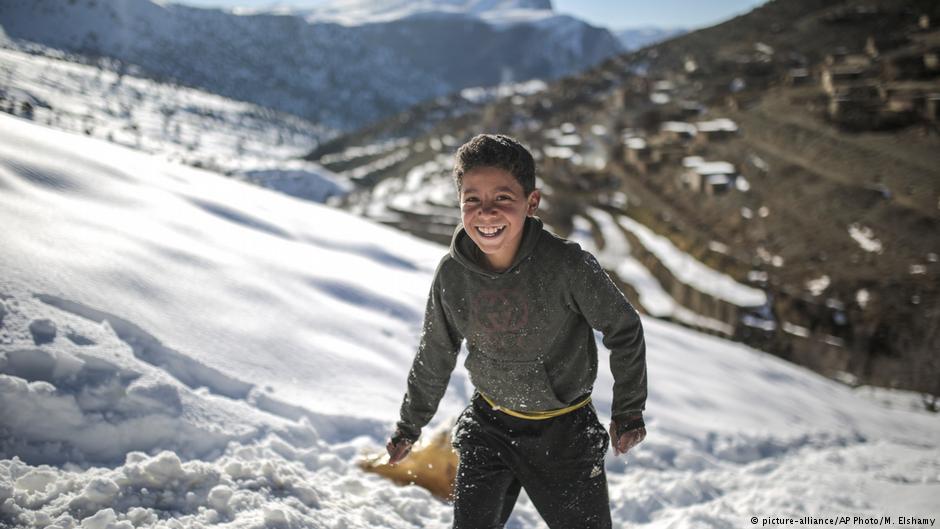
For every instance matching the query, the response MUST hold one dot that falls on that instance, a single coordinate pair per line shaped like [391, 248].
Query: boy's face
[494, 208]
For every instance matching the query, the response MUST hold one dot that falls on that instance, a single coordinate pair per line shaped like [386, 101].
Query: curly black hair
[496, 150]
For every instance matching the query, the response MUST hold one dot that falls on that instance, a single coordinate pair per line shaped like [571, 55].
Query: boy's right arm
[432, 366]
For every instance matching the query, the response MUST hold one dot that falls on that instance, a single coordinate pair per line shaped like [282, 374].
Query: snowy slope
[338, 75]
[219, 354]
[180, 124]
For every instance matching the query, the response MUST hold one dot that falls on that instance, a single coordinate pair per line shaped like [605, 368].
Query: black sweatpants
[559, 462]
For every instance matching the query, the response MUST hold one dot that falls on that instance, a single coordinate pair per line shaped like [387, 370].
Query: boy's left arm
[607, 310]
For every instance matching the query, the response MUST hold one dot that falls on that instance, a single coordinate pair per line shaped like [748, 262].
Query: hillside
[182, 350]
[793, 148]
[100, 99]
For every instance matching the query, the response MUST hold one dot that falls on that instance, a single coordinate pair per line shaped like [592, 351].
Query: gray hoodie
[528, 330]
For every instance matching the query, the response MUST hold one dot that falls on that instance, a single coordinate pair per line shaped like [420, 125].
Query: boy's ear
[533, 202]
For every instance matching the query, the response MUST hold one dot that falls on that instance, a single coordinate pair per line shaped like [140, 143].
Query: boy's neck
[496, 263]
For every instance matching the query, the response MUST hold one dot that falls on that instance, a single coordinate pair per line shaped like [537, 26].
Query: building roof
[717, 179]
[635, 143]
[715, 168]
[679, 126]
[715, 125]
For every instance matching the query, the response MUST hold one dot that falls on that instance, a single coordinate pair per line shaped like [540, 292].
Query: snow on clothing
[528, 330]
[562, 473]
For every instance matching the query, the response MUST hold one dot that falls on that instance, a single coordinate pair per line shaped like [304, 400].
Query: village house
[932, 107]
[715, 130]
[910, 64]
[638, 154]
[876, 46]
[677, 131]
[649, 155]
[798, 77]
[711, 178]
[668, 150]
[920, 59]
[842, 70]
[917, 99]
[688, 109]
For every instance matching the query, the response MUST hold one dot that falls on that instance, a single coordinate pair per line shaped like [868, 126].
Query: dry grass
[431, 464]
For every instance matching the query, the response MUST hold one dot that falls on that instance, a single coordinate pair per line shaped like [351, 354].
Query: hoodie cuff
[407, 431]
[628, 421]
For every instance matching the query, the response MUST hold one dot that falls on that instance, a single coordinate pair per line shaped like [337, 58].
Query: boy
[526, 301]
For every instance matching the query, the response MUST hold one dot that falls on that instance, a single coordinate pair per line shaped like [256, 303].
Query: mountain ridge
[340, 76]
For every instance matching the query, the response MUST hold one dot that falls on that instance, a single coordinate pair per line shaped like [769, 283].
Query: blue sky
[615, 14]
[618, 14]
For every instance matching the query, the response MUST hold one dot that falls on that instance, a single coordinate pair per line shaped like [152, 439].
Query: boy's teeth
[490, 230]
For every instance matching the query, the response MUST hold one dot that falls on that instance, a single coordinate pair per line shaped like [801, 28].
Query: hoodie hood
[467, 253]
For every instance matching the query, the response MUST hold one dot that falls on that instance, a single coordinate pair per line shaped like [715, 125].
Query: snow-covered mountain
[179, 349]
[360, 12]
[382, 58]
[636, 38]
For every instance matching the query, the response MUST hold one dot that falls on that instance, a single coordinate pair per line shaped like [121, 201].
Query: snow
[360, 151]
[364, 171]
[482, 94]
[182, 124]
[712, 168]
[865, 237]
[218, 245]
[636, 144]
[298, 60]
[615, 256]
[818, 285]
[717, 125]
[566, 153]
[660, 98]
[360, 12]
[691, 271]
[680, 127]
[179, 349]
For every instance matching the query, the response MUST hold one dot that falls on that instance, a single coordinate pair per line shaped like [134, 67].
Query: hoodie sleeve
[608, 311]
[433, 363]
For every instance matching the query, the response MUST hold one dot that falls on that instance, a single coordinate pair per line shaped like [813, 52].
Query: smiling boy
[525, 301]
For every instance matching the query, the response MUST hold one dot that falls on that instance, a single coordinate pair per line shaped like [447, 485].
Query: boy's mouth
[490, 232]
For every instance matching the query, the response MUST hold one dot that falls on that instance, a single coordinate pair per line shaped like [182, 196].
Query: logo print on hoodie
[499, 311]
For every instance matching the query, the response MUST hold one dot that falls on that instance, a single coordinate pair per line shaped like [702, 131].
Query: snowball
[275, 516]
[100, 491]
[135, 457]
[236, 470]
[141, 516]
[103, 519]
[332, 462]
[35, 480]
[307, 495]
[165, 467]
[219, 497]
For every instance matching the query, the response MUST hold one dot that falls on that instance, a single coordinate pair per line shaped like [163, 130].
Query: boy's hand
[627, 432]
[399, 446]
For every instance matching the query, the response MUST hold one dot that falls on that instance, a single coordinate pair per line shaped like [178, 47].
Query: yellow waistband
[536, 415]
